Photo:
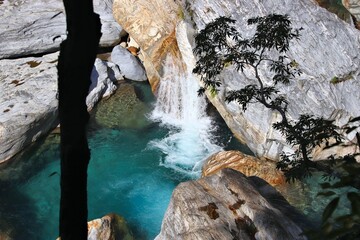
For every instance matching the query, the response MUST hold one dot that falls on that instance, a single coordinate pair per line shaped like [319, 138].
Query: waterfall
[179, 108]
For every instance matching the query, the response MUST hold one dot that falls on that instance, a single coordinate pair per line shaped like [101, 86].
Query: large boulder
[246, 164]
[130, 67]
[228, 205]
[38, 26]
[28, 107]
[328, 49]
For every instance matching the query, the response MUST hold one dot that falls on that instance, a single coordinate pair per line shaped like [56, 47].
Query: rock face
[152, 25]
[109, 227]
[38, 26]
[228, 205]
[248, 165]
[28, 106]
[328, 48]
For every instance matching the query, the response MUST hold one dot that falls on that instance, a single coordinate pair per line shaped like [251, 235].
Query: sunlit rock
[28, 104]
[228, 205]
[129, 65]
[246, 164]
[152, 25]
[39, 26]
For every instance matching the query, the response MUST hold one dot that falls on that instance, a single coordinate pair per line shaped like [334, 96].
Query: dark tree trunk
[76, 60]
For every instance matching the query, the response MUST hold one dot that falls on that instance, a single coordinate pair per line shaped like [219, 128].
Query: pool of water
[126, 175]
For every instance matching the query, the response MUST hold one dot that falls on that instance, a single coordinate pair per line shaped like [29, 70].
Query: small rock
[228, 205]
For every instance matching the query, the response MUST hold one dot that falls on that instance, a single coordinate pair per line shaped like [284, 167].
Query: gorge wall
[328, 48]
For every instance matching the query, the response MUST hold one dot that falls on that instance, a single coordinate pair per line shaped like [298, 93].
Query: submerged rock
[228, 205]
[123, 110]
[39, 26]
[246, 164]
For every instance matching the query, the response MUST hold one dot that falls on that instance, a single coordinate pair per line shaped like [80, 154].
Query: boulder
[28, 107]
[103, 82]
[109, 227]
[129, 65]
[228, 205]
[38, 26]
[328, 49]
[246, 164]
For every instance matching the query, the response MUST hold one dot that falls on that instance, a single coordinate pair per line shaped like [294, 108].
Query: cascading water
[179, 107]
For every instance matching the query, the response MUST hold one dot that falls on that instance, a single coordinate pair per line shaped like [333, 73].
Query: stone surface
[246, 164]
[103, 82]
[109, 227]
[354, 7]
[28, 104]
[129, 65]
[38, 26]
[228, 205]
[152, 25]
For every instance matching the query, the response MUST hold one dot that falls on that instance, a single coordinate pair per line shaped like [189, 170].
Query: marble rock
[38, 26]
[246, 164]
[228, 205]
[28, 104]
[130, 66]
[103, 82]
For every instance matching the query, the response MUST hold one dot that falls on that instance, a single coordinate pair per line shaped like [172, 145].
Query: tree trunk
[76, 60]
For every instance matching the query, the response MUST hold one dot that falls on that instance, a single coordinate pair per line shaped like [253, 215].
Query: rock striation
[354, 7]
[228, 205]
[39, 26]
[328, 49]
[246, 164]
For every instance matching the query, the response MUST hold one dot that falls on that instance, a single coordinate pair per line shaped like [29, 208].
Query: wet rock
[246, 164]
[228, 205]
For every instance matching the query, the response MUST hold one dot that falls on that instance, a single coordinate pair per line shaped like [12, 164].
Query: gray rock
[328, 48]
[28, 104]
[38, 26]
[228, 205]
[103, 78]
[129, 65]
